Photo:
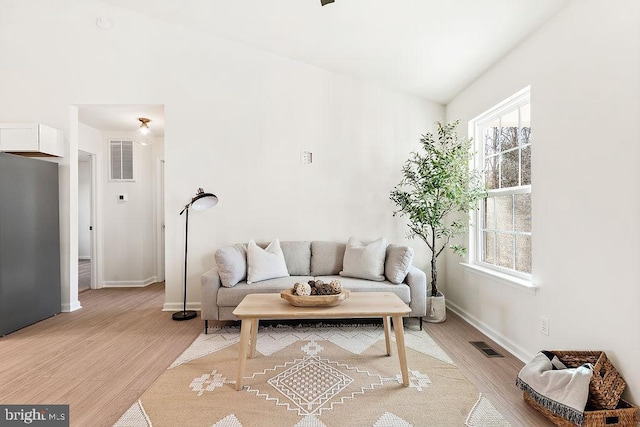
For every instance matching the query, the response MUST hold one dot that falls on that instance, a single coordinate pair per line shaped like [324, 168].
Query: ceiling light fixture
[144, 127]
[144, 132]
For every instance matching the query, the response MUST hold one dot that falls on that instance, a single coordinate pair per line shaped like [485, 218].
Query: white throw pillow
[364, 261]
[263, 264]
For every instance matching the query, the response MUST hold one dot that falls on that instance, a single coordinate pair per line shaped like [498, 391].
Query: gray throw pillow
[326, 258]
[365, 261]
[232, 264]
[398, 263]
[297, 255]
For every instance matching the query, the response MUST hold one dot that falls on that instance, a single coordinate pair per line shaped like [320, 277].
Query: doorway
[86, 259]
[127, 231]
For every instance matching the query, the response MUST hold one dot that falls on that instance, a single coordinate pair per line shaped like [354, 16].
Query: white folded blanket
[564, 391]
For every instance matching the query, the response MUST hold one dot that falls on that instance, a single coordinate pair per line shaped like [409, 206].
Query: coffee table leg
[387, 333]
[402, 354]
[254, 337]
[245, 331]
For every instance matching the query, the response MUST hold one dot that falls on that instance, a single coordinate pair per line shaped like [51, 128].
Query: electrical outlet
[544, 325]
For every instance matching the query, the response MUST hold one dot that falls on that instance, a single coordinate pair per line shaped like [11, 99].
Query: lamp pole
[184, 314]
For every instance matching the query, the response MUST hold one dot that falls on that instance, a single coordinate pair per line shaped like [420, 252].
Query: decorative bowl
[314, 300]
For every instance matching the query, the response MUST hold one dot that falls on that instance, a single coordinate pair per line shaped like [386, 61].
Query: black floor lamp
[200, 202]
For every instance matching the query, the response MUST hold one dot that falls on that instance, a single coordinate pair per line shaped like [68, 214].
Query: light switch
[123, 198]
[306, 157]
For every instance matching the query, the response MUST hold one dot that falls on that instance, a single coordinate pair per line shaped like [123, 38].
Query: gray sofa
[224, 286]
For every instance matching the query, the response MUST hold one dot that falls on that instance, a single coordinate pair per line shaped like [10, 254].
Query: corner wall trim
[68, 308]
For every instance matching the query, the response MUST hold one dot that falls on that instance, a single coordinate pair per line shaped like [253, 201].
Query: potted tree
[438, 181]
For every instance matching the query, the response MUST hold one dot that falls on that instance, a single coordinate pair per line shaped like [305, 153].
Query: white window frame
[133, 160]
[508, 275]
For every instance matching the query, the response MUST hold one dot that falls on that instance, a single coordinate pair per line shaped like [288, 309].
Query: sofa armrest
[417, 281]
[209, 285]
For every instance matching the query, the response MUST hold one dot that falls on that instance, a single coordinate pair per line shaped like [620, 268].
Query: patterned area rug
[312, 376]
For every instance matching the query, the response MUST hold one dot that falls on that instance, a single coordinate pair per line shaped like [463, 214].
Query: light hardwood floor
[84, 275]
[495, 377]
[100, 359]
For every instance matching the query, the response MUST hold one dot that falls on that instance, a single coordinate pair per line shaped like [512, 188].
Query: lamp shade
[203, 201]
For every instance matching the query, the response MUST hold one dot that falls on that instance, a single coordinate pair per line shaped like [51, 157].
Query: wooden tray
[314, 300]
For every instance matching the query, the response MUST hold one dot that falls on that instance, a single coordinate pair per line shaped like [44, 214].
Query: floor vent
[485, 349]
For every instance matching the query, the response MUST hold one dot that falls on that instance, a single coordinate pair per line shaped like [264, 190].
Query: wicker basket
[625, 415]
[606, 384]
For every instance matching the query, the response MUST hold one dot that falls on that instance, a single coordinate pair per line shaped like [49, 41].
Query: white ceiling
[122, 118]
[429, 48]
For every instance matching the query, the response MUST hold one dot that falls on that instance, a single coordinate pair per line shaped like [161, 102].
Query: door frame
[160, 221]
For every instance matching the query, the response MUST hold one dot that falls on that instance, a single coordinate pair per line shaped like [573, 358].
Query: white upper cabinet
[31, 139]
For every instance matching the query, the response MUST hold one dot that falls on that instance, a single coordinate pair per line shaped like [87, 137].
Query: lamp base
[184, 315]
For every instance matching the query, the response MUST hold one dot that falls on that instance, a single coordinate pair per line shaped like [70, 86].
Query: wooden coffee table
[359, 305]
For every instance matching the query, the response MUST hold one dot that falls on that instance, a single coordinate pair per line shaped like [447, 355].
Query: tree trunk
[434, 271]
[434, 277]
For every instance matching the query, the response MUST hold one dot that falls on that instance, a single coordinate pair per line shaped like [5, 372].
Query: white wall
[84, 209]
[584, 72]
[129, 243]
[236, 121]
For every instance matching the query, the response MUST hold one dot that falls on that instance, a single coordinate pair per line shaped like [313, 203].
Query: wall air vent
[121, 160]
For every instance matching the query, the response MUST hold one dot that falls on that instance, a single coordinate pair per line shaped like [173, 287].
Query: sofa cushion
[397, 263]
[232, 297]
[263, 264]
[364, 261]
[297, 256]
[232, 264]
[402, 290]
[326, 257]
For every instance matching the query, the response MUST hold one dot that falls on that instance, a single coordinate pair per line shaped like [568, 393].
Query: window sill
[514, 282]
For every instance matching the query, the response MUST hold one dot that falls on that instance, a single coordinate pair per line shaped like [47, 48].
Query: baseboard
[130, 284]
[68, 308]
[179, 306]
[500, 339]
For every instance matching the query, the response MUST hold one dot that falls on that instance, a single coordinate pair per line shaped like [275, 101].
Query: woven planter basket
[625, 415]
[606, 384]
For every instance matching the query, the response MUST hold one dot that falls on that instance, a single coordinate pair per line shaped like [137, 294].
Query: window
[121, 160]
[503, 149]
